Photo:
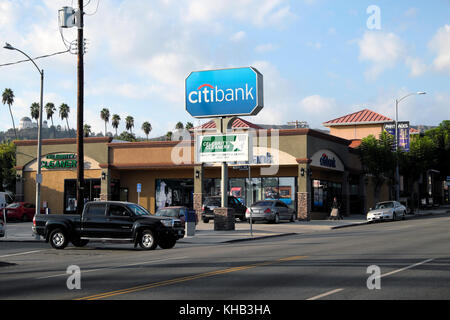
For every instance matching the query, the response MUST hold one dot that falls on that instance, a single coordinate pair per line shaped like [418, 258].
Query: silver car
[387, 210]
[270, 211]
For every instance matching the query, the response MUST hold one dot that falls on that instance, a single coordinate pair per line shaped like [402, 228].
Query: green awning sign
[222, 148]
[59, 161]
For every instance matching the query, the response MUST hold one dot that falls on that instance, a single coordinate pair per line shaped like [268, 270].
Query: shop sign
[59, 161]
[225, 92]
[327, 162]
[327, 159]
[222, 148]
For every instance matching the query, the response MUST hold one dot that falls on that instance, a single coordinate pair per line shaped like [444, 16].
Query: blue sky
[318, 57]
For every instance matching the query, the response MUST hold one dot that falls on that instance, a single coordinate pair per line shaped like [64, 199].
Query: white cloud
[317, 105]
[238, 36]
[383, 50]
[416, 65]
[440, 44]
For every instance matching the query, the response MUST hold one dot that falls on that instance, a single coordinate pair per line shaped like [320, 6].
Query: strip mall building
[304, 168]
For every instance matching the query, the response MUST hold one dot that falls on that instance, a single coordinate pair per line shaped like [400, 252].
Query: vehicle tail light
[203, 208]
[34, 221]
[247, 211]
[267, 210]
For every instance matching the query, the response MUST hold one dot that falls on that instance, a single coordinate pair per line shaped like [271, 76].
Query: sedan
[23, 211]
[178, 212]
[387, 210]
[271, 211]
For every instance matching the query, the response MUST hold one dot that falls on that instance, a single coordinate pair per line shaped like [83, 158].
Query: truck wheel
[167, 243]
[58, 239]
[147, 240]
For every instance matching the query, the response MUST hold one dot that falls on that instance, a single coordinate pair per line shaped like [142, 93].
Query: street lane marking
[325, 294]
[187, 278]
[381, 276]
[107, 268]
[406, 268]
[20, 253]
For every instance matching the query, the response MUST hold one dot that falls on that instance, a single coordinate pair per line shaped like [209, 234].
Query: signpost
[139, 189]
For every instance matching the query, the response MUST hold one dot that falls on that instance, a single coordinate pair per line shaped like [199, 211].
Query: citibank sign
[327, 159]
[225, 92]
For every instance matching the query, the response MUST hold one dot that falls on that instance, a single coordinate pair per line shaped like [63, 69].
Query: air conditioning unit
[66, 17]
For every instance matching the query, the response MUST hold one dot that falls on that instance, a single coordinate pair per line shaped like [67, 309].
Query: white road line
[107, 268]
[406, 268]
[20, 253]
[325, 294]
[383, 275]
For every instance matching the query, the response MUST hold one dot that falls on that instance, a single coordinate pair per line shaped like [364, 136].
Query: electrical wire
[91, 14]
[40, 57]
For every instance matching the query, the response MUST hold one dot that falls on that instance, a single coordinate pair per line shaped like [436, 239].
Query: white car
[387, 210]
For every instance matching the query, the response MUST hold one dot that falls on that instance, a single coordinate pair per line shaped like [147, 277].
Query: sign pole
[251, 198]
[224, 173]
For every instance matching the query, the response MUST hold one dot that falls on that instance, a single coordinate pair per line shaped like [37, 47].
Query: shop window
[174, 192]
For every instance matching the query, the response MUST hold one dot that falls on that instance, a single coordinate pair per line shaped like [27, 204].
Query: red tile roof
[238, 123]
[360, 117]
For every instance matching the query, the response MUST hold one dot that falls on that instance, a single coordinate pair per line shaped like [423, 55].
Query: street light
[39, 151]
[397, 174]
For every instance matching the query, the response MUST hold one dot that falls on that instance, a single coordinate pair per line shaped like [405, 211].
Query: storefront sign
[327, 159]
[225, 92]
[222, 148]
[59, 161]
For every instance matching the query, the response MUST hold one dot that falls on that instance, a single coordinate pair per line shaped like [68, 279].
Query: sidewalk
[205, 234]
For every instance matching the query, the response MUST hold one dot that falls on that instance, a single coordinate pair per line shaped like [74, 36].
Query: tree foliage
[7, 163]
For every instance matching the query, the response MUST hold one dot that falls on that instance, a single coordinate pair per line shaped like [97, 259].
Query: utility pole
[80, 106]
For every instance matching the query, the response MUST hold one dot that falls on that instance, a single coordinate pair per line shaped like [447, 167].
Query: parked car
[5, 199]
[270, 211]
[387, 210]
[2, 228]
[211, 203]
[177, 212]
[109, 220]
[23, 211]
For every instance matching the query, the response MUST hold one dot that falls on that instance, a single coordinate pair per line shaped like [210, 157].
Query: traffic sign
[139, 187]
[224, 92]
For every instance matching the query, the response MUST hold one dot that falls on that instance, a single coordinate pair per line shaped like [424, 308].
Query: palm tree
[115, 121]
[34, 109]
[104, 114]
[189, 126]
[50, 110]
[86, 130]
[64, 111]
[8, 98]
[179, 126]
[129, 123]
[169, 135]
[146, 127]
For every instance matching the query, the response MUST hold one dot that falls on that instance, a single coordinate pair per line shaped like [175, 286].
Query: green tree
[378, 160]
[129, 123]
[50, 110]
[104, 115]
[179, 126]
[115, 121]
[441, 140]
[64, 111]
[126, 136]
[34, 111]
[147, 128]
[8, 98]
[169, 135]
[7, 164]
[189, 125]
[86, 130]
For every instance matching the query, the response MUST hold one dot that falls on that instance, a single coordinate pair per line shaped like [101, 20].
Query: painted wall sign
[224, 92]
[59, 161]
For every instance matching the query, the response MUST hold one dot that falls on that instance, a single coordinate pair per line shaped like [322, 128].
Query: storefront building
[303, 168]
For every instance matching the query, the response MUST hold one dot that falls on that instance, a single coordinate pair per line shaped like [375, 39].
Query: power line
[40, 57]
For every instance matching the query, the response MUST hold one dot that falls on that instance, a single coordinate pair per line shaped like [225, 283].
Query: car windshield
[262, 204]
[172, 212]
[138, 210]
[384, 205]
[14, 205]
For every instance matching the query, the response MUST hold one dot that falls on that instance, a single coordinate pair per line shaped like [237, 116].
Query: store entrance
[91, 193]
[174, 192]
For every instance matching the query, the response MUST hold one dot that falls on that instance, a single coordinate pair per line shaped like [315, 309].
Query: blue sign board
[139, 187]
[225, 92]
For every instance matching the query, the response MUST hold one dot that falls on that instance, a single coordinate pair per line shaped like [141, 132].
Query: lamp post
[39, 148]
[397, 174]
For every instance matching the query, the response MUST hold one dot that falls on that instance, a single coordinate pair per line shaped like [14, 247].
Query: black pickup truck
[109, 220]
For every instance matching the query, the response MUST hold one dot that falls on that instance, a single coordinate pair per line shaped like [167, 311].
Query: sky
[321, 59]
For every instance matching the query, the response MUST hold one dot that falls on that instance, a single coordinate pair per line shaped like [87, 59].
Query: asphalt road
[413, 257]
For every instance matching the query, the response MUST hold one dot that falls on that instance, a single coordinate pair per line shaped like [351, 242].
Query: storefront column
[105, 185]
[19, 186]
[346, 193]
[198, 190]
[304, 191]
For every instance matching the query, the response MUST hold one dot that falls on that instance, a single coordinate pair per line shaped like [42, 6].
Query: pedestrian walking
[335, 214]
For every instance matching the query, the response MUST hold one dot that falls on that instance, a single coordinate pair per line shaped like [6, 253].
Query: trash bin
[191, 218]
